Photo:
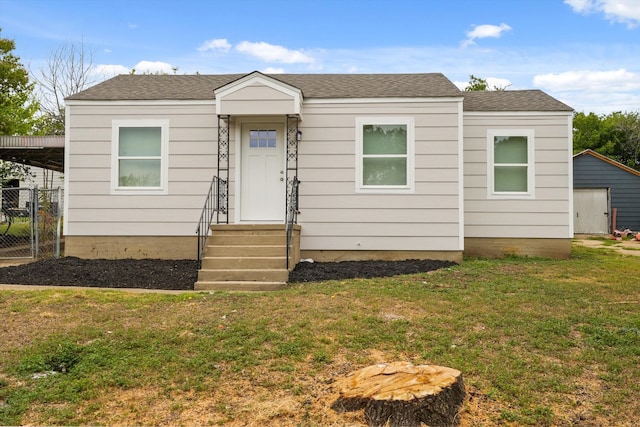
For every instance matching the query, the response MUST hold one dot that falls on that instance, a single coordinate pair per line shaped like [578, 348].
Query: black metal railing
[292, 215]
[211, 208]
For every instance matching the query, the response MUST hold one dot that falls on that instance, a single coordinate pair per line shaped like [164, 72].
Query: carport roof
[39, 151]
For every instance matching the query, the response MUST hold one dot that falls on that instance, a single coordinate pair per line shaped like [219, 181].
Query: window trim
[164, 155]
[409, 122]
[531, 173]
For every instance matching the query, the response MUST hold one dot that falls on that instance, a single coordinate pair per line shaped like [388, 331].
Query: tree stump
[400, 394]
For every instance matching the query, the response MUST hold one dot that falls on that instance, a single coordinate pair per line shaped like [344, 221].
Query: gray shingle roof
[512, 100]
[189, 87]
[427, 85]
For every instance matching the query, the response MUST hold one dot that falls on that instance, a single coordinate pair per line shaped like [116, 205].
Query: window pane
[140, 141]
[262, 138]
[139, 173]
[384, 171]
[384, 139]
[510, 178]
[510, 149]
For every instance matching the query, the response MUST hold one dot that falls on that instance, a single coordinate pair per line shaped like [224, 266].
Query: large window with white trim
[139, 156]
[510, 163]
[384, 152]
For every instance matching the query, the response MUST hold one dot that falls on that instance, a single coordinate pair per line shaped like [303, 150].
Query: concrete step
[245, 275]
[244, 239]
[239, 286]
[213, 251]
[232, 262]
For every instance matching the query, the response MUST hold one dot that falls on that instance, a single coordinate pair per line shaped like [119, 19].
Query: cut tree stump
[401, 394]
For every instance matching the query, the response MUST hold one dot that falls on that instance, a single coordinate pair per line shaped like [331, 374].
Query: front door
[262, 197]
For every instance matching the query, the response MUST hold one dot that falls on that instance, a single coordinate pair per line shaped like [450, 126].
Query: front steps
[251, 257]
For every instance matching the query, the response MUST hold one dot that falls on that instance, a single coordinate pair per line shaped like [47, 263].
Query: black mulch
[182, 274]
[319, 271]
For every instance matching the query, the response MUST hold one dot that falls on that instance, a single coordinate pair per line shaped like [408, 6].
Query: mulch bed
[182, 274]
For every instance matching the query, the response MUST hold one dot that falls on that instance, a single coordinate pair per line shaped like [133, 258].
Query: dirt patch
[182, 274]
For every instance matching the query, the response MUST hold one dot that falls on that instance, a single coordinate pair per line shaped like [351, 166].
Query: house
[367, 166]
[606, 194]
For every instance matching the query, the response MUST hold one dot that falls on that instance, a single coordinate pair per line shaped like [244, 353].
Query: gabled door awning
[258, 94]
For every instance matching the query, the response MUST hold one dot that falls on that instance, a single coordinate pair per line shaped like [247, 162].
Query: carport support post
[35, 203]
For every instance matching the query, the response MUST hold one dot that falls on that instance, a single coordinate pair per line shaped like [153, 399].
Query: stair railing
[292, 215]
[211, 208]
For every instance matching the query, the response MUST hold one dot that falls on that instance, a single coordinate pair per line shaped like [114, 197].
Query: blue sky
[584, 52]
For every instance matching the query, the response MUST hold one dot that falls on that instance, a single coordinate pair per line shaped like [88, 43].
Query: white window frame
[531, 173]
[164, 155]
[409, 122]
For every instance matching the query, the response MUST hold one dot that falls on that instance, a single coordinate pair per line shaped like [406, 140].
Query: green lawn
[539, 342]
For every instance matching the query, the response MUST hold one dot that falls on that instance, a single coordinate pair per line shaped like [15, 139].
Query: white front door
[262, 174]
[591, 209]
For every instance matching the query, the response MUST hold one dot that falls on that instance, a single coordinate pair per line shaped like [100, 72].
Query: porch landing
[247, 257]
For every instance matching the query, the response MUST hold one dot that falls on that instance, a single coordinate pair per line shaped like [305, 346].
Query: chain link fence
[30, 223]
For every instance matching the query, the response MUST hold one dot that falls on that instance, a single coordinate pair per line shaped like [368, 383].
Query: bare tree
[69, 70]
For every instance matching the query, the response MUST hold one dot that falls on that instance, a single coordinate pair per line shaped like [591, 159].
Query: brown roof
[512, 100]
[425, 85]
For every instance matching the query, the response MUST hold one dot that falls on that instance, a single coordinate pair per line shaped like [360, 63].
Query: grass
[540, 342]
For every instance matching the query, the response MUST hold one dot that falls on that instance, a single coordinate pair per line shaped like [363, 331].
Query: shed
[606, 194]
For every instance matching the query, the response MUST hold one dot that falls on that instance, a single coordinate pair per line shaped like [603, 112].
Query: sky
[585, 53]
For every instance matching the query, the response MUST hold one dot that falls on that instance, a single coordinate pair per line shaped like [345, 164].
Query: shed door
[263, 192]
[591, 208]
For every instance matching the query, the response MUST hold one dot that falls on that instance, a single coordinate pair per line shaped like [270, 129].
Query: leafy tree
[615, 135]
[591, 131]
[627, 129]
[476, 84]
[18, 107]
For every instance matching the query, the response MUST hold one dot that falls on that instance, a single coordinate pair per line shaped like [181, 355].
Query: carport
[41, 151]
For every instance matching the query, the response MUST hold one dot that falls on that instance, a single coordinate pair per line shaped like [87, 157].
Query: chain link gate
[30, 222]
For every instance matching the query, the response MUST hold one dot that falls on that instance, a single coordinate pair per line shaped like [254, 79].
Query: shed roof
[327, 86]
[606, 159]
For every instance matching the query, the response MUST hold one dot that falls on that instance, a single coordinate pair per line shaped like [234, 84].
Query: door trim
[240, 121]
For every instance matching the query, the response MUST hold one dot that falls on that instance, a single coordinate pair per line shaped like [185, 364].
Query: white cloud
[221, 45]
[153, 67]
[623, 11]
[273, 53]
[272, 70]
[594, 91]
[484, 31]
[620, 80]
[109, 70]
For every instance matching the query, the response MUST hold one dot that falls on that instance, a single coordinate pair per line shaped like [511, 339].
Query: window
[510, 163]
[384, 151]
[262, 138]
[139, 154]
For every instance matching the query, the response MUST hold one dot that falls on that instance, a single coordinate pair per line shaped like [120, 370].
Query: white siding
[548, 215]
[92, 210]
[334, 217]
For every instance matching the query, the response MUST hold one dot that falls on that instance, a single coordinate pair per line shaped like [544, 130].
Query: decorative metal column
[291, 201]
[293, 137]
[224, 147]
